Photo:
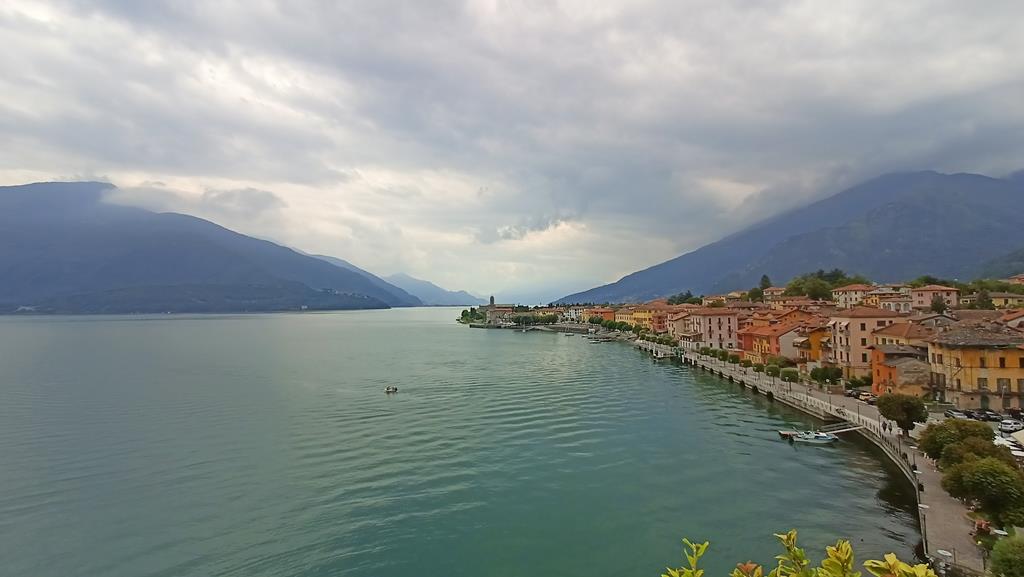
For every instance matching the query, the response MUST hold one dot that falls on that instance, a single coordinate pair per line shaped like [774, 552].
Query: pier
[945, 526]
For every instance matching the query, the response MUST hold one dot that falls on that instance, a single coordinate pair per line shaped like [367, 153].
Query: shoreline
[942, 520]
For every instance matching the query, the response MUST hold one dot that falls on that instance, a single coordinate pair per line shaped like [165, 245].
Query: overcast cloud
[510, 147]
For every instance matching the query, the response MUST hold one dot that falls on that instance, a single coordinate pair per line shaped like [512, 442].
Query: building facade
[851, 335]
[978, 365]
[922, 297]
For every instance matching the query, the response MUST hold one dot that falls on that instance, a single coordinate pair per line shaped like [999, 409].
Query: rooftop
[979, 334]
[853, 287]
[936, 287]
[906, 331]
[865, 313]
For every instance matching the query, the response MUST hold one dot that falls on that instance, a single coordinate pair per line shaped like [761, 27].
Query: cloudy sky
[529, 149]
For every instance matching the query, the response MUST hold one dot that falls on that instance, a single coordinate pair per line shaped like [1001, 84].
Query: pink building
[923, 296]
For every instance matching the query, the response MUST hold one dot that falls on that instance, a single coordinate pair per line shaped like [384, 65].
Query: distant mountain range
[64, 250]
[894, 227]
[431, 294]
[403, 297]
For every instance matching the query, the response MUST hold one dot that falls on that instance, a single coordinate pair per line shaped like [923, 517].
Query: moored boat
[812, 437]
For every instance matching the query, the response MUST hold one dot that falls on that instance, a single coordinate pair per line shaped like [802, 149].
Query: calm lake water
[264, 445]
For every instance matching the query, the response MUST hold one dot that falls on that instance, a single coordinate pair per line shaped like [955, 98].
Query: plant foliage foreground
[838, 562]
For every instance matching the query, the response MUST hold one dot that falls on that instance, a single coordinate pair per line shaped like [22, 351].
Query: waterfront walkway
[945, 526]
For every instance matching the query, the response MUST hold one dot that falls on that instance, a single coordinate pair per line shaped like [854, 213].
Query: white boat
[814, 438]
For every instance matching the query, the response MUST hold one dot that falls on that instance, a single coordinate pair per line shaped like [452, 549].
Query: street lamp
[924, 526]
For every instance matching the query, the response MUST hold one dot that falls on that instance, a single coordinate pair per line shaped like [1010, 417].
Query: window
[956, 361]
[863, 342]
[982, 384]
[1003, 385]
[982, 362]
[1020, 362]
[1002, 362]
[940, 358]
[1020, 385]
[958, 387]
[863, 357]
[933, 357]
[863, 326]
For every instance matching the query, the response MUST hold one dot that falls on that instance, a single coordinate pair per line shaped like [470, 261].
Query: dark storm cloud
[425, 133]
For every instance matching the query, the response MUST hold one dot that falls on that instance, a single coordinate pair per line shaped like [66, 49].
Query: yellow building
[624, 315]
[978, 365]
[642, 316]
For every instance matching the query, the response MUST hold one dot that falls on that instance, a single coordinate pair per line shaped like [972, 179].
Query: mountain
[1004, 266]
[894, 227]
[431, 294]
[64, 250]
[402, 297]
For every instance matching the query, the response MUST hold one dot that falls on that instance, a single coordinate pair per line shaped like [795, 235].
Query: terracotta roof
[713, 311]
[770, 330]
[905, 362]
[906, 331]
[979, 334]
[935, 287]
[1011, 315]
[865, 313]
[853, 287]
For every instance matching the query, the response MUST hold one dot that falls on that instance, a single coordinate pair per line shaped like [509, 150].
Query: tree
[595, 320]
[755, 294]
[935, 437]
[758, 367]
[1008, 557]
[938, 304]
[793, 562]
[746, 363]
[790, 375]
[996, 486]
[817, 289]
[772, 370]
[971, 449]
[765, 282]
[906, 410]
[984, 301]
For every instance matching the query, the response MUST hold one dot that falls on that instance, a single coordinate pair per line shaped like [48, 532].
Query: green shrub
[758, 367]
[790, 375]
[745, 363]
[772, 370]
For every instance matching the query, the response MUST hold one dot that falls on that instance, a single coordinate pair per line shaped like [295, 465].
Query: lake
[264, 445]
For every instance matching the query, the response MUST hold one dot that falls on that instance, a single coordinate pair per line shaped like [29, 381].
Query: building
[811, 347]
[714, 327]
[1013, 319]
[851, 336]
[605, 313]
[903, 333]
[899, 369]
[924, 296]
[770, 341]
[624, 315]
[850, 295]
[1002, 300]
[902, 303]
[676, 324]
[574, 314]
[773, 292]
[1016, 279]
[874, 297]
[978, 364]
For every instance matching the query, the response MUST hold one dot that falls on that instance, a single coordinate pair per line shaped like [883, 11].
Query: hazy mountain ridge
[402, 296]
[433, 295]
[62, 249]
[892, 227]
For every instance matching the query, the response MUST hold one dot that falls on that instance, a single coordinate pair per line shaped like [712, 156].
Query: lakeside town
[878, 358]
[947, 344]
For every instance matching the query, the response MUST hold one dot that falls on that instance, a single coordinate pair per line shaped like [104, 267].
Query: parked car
[1010, 426]
[954, 414]
[988, 415]
[853, 393]
[971, 414]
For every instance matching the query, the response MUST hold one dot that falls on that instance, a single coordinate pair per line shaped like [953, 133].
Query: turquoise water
[264, 445]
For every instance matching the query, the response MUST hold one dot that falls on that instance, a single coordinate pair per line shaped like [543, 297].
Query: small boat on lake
[811, 437]
[391, 389]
